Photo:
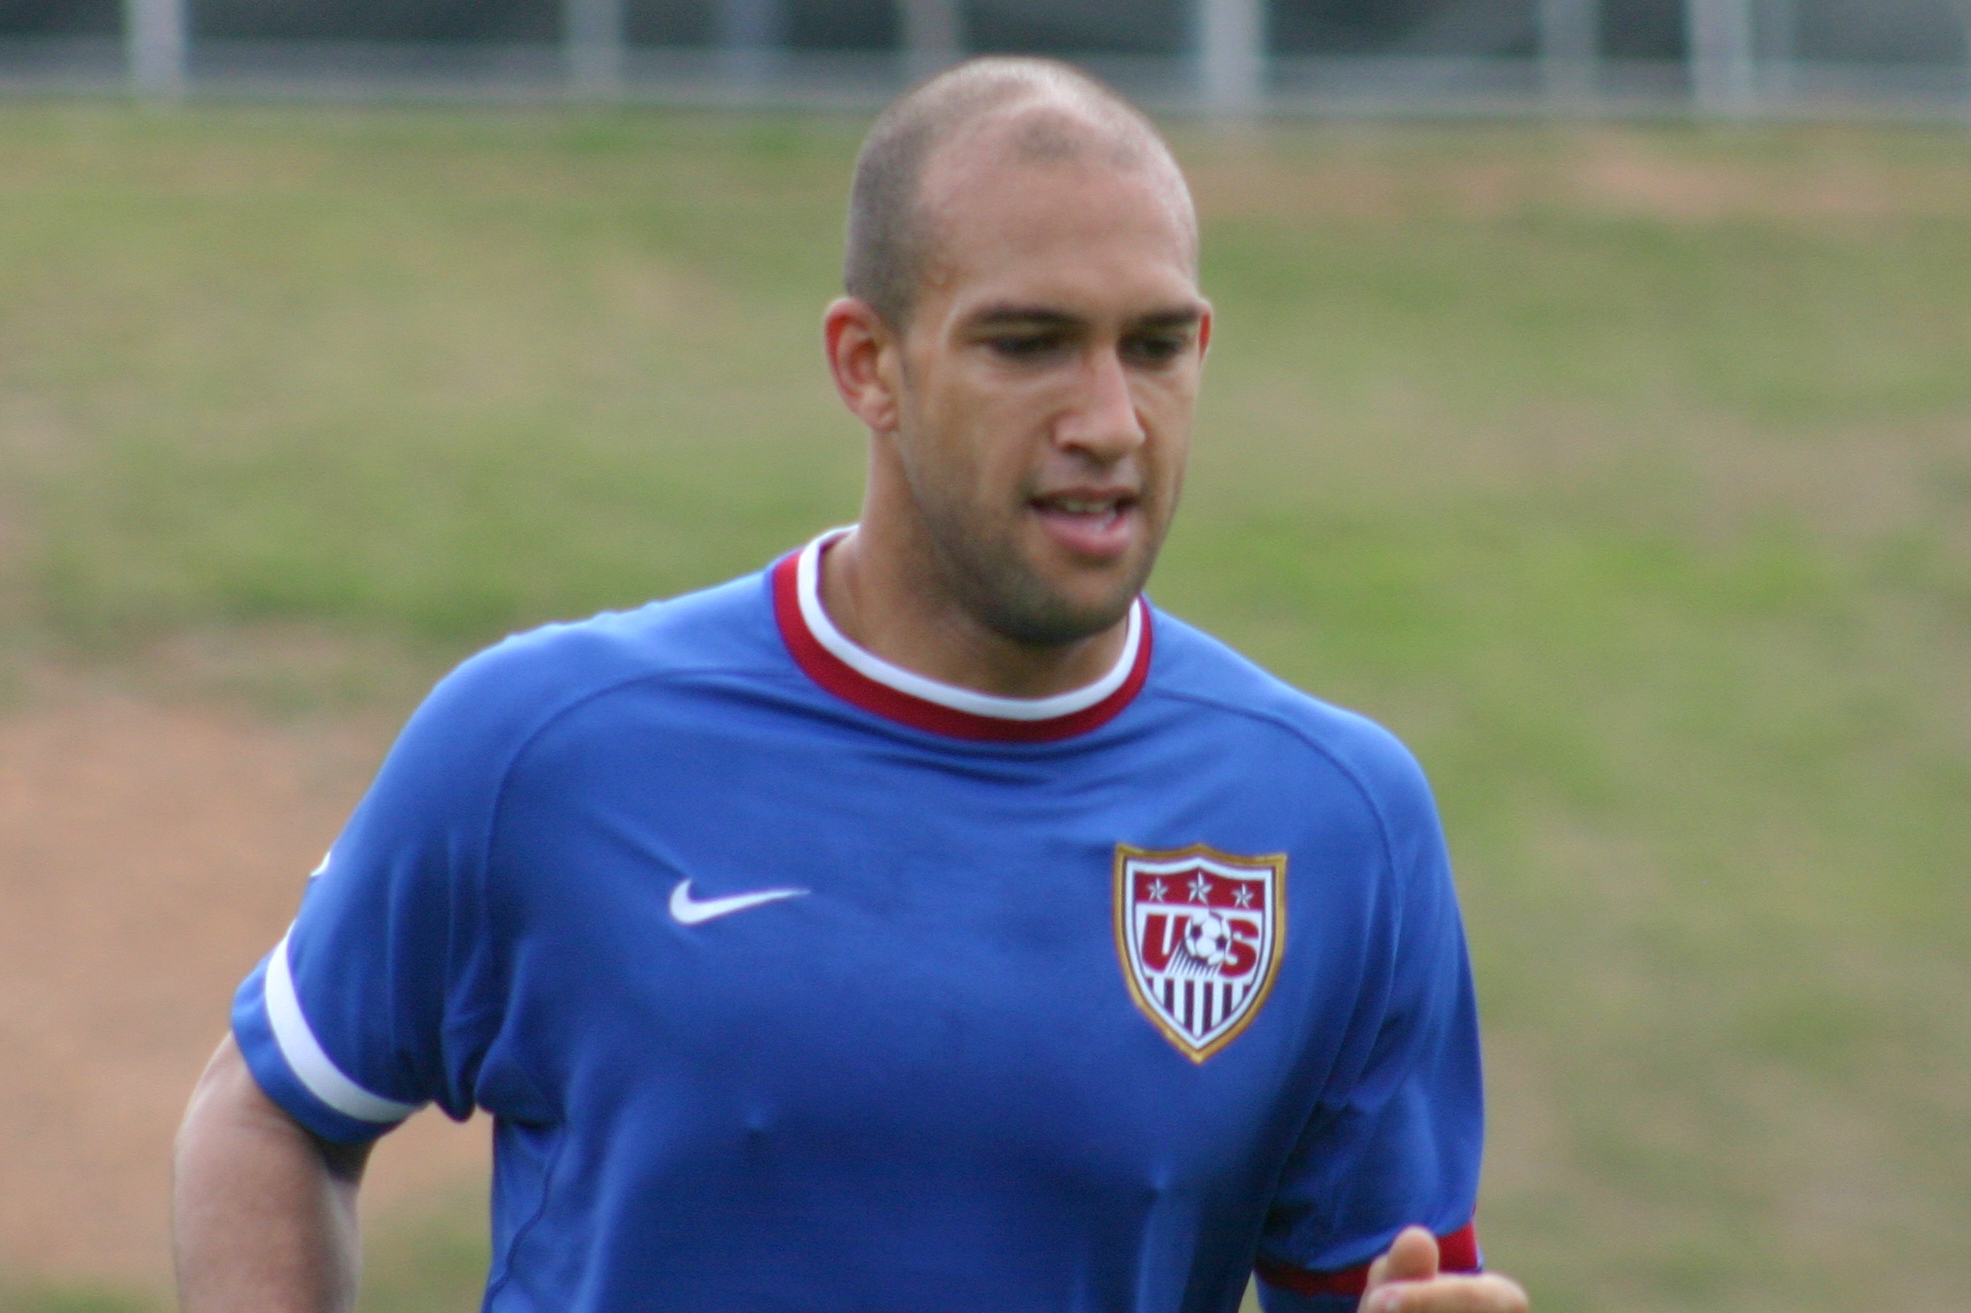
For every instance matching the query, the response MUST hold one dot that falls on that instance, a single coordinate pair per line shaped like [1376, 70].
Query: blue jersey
[795, 981]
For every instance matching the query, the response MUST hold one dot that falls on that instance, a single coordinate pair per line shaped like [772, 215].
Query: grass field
[1626, 472]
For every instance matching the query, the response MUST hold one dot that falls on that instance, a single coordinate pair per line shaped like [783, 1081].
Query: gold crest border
[1277, 861]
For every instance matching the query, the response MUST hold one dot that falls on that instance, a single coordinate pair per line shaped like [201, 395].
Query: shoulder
[1210, 678]
[488, 708]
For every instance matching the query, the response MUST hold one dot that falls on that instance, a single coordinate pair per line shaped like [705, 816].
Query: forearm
[264, 1213]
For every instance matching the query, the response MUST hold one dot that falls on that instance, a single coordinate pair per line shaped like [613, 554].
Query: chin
[1024, 592]
[1042, 616]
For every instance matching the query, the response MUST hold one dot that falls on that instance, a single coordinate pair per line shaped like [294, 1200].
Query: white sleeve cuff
[311, 1066]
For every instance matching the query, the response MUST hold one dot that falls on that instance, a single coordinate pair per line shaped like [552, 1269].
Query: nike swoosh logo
[686, 910]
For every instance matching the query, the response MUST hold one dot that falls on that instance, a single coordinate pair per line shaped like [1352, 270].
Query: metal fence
[1726, 58]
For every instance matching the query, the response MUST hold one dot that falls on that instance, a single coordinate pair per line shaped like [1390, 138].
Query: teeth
[1074, 506]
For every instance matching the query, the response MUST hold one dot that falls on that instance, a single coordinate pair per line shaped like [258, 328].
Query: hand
[1406, 1280]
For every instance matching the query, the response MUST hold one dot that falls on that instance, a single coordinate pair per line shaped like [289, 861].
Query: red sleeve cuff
[1456, 1252]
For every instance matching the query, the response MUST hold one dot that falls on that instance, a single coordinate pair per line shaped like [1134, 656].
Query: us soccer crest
[1200, 933]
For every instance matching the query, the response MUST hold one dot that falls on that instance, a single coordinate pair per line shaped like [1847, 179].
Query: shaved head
[1030, 111]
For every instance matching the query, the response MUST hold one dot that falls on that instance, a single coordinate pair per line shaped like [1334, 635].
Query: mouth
[1089, 523]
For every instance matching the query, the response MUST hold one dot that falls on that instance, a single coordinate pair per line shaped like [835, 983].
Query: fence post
[750, 34]
[1570, 44]
[592, 41]
[1775, 41]
[155, 46]
[1231, 55]
[1962, 8]
[933, 36]
[1721, 69]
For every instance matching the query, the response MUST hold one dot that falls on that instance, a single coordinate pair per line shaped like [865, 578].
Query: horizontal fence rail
[1742, 59]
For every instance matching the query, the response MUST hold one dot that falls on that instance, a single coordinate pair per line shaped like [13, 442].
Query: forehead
[1042, 203]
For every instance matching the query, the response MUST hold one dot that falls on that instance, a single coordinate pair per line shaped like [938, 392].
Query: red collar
[867, 681]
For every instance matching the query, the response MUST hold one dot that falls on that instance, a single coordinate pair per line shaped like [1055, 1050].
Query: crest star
[1158, 891]
[1200, 888]
[1243, 896]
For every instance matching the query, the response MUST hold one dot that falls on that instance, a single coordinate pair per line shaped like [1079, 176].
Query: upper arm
[382, 995]
[228, 1100]
[1395, 1139]
[263, 1211]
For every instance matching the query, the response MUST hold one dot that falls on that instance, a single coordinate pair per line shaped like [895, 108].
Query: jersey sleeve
[382, 995]
[1396, 1135]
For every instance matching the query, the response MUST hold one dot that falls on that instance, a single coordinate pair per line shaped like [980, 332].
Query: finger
[1489, 1293]
[1411, 1257]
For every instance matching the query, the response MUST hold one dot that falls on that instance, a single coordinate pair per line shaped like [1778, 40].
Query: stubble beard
[1004, 593]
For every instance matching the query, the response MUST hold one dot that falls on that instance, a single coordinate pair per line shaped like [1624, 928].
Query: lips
[1094, 523]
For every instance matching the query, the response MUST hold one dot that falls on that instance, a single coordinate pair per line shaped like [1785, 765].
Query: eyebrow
[1182, 317]
[1010, 315]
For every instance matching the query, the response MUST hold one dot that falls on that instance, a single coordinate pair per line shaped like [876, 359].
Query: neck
[881, 587]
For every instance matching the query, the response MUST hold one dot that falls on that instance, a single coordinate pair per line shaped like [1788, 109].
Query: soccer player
[926, 922]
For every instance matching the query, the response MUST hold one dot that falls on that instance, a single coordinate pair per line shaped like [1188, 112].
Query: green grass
[37, 1298]
[428, 1257]
[1625, 472]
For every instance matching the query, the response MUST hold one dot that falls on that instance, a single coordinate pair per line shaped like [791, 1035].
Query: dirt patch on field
[150, 852]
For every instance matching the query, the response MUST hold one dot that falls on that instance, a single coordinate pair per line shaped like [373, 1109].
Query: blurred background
[1733, 57]
[1591, 403]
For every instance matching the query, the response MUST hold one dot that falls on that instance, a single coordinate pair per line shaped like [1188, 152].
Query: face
[1048, 378]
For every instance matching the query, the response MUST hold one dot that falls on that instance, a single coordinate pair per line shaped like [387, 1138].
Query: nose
[1102, 421]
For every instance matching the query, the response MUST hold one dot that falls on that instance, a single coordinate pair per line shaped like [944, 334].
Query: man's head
[1023, 334]
[1067, 113]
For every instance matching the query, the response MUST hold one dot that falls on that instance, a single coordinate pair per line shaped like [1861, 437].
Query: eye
[1154, 348]
[1025, 346]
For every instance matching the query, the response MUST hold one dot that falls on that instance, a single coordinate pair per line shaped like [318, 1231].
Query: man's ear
[863, 356]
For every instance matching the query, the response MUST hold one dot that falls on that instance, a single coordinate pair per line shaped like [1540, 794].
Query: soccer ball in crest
[1209, 939]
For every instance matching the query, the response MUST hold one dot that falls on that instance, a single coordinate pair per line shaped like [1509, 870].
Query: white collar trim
[871, 666]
